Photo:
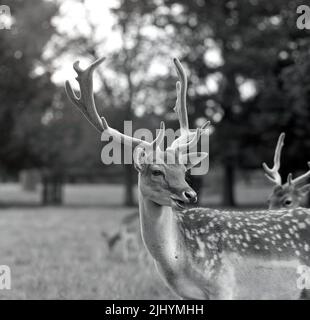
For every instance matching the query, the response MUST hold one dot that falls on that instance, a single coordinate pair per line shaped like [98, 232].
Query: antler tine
[155, 144]
[303, 177]
[187, 146]
[273, 173]
[85, 102]
[181, 88]
[187, 138]
[290, 179]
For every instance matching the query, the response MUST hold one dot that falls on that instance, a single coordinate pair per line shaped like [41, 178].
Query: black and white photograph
[154, 150]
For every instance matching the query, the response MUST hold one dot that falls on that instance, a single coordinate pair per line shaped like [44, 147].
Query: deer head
[291, 193]
[161, 172]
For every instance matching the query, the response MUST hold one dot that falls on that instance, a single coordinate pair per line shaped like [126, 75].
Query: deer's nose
[190, 196]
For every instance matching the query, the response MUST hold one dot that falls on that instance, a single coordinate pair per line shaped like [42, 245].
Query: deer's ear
[304, 190]
[139, 159]
[190, 160]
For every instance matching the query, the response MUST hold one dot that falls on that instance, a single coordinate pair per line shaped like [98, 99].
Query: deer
[203, 253]
[291, 193]
[128, 235]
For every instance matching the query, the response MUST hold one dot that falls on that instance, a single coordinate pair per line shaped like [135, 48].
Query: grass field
[59, 253]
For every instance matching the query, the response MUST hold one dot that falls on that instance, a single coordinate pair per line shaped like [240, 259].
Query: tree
[39, 129]
[28, 93]
[252, 43]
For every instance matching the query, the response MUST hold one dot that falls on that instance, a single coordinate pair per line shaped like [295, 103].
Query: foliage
[25, 93]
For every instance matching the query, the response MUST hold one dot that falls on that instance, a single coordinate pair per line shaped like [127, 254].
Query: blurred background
[248, 68]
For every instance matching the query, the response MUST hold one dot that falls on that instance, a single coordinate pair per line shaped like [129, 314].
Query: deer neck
[160, 232]
[165, 242]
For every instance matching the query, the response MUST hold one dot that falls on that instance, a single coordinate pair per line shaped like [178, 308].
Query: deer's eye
[157, 173]
[288, 202]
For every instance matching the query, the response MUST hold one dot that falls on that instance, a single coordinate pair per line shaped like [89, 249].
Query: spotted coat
[270, 234]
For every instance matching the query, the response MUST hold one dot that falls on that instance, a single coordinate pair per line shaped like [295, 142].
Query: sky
[72, 17]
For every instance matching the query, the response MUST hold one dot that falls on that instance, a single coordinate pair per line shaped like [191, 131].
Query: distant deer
[204, 253]
[128, 235]
[289, 194]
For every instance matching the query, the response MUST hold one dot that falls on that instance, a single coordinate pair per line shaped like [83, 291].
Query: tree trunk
[129, 184]
[45, 192]
[228, 186]
[51, 190]
[56, 195]
[60, 193]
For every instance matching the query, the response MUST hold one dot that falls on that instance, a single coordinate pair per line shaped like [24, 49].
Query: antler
[187, 138]
[299, 179]
[273, 173]
[180, 105]
[86, 104]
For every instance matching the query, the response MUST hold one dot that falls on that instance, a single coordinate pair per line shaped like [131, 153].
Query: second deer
[291, 193]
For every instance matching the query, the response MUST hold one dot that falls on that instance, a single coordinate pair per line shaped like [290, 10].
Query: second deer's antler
[273, 173]
[299, 179]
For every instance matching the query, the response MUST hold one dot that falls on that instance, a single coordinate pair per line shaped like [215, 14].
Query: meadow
[59, 253]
